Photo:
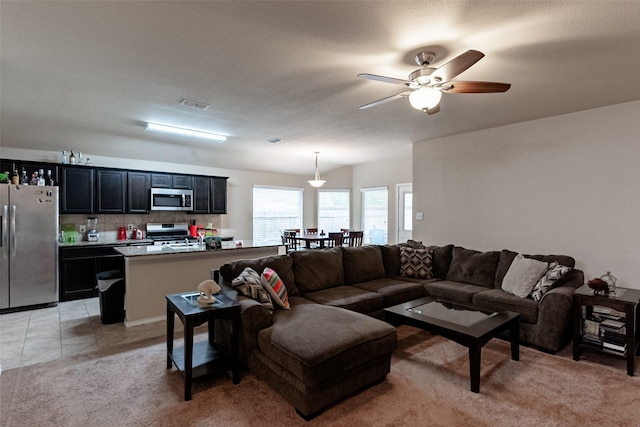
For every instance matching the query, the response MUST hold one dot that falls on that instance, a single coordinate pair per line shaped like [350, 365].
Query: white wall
[386, 173]
[567, 185]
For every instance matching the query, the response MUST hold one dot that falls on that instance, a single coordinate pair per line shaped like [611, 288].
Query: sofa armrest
[254, 317]
[555, 313]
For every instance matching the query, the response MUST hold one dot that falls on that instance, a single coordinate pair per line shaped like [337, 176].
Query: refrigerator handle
[5, 232]
[13, 231]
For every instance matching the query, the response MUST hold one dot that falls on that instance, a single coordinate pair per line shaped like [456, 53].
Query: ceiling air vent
[194, 104]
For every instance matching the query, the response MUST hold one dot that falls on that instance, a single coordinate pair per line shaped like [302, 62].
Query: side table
[205, 357]
[626, 301]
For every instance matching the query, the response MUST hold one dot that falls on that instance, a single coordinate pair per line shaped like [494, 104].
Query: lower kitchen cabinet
[78, 268]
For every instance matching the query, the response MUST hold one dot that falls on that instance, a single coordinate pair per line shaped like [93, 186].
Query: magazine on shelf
[615, 347]
[613, 324]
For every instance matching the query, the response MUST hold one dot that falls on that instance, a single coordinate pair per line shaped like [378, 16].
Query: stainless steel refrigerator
[28, 246]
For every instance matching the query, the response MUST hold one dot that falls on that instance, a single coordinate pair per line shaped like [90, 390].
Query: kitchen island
[151, 272]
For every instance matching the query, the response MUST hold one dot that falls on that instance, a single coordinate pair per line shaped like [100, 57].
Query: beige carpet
[428, 386]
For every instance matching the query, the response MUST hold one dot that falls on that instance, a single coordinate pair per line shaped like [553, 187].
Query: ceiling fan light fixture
[185, 132]
[425, 98]
[316, 181]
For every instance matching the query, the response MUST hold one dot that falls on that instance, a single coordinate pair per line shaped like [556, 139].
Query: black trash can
[110, 285]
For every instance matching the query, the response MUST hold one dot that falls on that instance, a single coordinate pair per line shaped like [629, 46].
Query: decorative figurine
[599, 286]
[207, 289]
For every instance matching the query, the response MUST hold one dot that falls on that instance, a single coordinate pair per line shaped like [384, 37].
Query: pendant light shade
[317, 182]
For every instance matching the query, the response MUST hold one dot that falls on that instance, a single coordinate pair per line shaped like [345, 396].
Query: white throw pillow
[522, 276]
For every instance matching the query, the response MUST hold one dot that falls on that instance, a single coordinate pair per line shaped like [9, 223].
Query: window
[375, 213]
[275, 209]
[333, 210]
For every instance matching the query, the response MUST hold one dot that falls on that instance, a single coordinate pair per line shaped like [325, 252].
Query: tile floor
[73, 327]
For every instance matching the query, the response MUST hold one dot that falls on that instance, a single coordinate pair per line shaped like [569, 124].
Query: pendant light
[317, 182]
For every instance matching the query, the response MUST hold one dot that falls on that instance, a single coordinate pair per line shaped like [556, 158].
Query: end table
[626, 301]
[205, 357]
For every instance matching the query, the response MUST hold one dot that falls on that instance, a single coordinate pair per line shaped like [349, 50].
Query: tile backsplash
[111, 222]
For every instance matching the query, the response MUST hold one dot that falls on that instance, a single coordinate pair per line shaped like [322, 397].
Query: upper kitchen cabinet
[165, 180]
[218, 195]
[76, 190]
[210, 194]
[138, 192]
[50, 170]
[201, 194]
[111, 189]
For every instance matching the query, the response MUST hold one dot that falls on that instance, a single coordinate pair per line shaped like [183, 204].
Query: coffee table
[463, 324]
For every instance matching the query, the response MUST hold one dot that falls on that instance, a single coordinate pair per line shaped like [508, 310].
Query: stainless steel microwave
[168, 199]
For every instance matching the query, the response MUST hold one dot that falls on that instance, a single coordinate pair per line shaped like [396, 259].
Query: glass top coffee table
[465, 325]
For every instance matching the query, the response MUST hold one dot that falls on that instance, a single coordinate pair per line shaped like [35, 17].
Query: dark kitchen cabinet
[30, 167]
[161, 180]
[138, 192]
[201, 194]
[76, 190]
[184, 182]
[165, 180]
[78, 267]
[111, 188]
[210, 194]
[218, 195]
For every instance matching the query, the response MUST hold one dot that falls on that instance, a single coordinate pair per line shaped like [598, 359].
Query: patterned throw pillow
[554, 273]
[416, 263]
[275, 287]
[249, 284]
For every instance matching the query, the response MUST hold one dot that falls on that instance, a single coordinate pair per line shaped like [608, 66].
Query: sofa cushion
[249, 284]
[275, 288]
[473, 267]
[390, 259]
[349, 297]
[453, 291]
[497, 300]
[281, 264]
[317, 269]
[507, 256]
[416, 262]
[393, 291]
[300, 342]
[522, 276]
[550, 279]
[441, 260]
[362, 263]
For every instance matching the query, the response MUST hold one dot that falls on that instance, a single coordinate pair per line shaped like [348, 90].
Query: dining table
[308, 239]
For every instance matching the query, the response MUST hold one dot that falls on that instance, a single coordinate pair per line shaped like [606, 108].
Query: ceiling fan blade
[475, 87]
[457, 65]
[384, 79]
[433, 110]
[383, 100]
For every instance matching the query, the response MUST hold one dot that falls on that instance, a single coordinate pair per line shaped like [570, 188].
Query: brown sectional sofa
[331, 342]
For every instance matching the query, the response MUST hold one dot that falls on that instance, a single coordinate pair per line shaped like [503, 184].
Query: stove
[171, 233]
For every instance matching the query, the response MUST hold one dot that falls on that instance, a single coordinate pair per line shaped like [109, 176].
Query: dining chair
[290, 241]
[335, 239]
[345, 236]
[355, 238]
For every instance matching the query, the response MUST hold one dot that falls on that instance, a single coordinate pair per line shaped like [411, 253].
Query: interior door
[405, 212]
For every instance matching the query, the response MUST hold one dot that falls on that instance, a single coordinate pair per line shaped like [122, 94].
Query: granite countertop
[132, 251]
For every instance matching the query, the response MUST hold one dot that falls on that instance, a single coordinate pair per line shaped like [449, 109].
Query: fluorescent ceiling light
[187, 132]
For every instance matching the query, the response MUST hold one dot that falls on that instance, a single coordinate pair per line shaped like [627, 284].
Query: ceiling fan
[427, 84]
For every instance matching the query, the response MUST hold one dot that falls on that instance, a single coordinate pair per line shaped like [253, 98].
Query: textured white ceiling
[87, 75]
